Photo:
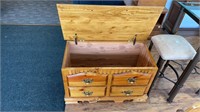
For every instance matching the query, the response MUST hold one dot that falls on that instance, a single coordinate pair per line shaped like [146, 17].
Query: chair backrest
[152, 2]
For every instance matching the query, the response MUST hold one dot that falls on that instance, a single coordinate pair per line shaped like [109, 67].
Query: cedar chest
[106, 57]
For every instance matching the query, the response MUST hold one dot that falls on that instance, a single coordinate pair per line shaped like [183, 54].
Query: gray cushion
[173, 47]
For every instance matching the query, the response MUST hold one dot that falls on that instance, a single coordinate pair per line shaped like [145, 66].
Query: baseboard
[181, 31]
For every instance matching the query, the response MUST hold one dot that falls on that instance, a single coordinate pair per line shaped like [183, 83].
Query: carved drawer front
[127, 91]
[86, 91]
[87, 79]
[131, 78]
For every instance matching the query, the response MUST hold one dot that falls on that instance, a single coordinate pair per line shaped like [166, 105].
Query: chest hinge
[75, 38]
[134, 39]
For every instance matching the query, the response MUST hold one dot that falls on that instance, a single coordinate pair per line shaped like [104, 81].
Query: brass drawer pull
[131, 80]
[128, 92]
[87, 93]
[87, 81]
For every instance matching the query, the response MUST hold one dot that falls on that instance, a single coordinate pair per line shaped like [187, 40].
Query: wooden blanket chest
[105, 56]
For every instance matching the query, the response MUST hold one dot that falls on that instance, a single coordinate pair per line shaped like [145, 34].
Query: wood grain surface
[79, 91]
[108, 65]
[92, 22]
[96, 79]
[185, 99]
[123, 78]
[121, 91]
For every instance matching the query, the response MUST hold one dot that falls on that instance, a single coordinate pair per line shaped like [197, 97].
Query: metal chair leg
[159, 64]
[164, 68]
[162, 75]
[198, 92]
[151, 45]
[186, 73]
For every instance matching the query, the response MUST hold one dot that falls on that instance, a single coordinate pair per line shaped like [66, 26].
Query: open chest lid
[107, 23]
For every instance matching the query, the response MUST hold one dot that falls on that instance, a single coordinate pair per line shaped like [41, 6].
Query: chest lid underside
[107, 23]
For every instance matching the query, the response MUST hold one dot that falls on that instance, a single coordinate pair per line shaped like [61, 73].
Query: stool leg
[164, 68]
[151, 45]
[183, 77]
[159, 64]
[198, 92]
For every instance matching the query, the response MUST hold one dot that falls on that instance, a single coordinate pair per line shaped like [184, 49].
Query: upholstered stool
[170, 48]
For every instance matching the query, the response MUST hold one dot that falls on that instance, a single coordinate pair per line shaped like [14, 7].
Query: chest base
[142, 98]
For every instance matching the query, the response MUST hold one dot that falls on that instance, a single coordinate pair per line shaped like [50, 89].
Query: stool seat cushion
[173, 47]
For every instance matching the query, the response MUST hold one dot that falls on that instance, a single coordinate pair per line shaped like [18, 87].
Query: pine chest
[105, 56]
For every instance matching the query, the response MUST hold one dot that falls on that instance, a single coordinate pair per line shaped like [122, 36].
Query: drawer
[86, 91]
[87, 79]
[127, 91]
[131, 78]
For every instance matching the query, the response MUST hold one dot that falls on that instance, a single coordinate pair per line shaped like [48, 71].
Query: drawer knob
[87, 93]
[87, 81]
[131, 80]
[128, 92]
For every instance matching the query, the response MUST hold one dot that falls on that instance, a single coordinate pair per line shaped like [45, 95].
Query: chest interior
[107, 54]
